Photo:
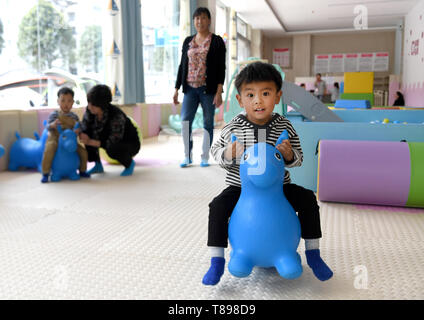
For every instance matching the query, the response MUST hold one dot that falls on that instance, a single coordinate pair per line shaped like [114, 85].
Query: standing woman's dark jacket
[215, 65]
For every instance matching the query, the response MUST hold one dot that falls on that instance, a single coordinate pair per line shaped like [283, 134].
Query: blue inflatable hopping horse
[66, 160]
[27, 152]
[264, 229]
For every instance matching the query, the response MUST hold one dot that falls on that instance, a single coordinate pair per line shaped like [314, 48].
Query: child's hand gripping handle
[283, 136]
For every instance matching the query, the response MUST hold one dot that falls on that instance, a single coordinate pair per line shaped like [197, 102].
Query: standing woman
[105, 125]
[202, 75]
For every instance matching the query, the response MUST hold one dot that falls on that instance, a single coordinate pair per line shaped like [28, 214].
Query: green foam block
[416, 190]
[358, 96]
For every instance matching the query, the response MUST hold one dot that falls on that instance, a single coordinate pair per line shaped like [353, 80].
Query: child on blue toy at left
[67, 119]
[259, 90]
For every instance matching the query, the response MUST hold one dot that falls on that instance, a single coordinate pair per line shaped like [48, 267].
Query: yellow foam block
[106, 157]
[28, 123]
[79, 111]
[9, 124]
[358, 82]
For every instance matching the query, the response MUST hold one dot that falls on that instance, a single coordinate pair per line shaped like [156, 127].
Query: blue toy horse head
[263, 165]
[66, 160]
[67, 140]
[264, 229]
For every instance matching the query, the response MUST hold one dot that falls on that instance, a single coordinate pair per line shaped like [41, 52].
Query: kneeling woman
[105, 125]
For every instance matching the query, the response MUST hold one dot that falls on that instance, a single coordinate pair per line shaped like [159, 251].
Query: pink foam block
[369, 172]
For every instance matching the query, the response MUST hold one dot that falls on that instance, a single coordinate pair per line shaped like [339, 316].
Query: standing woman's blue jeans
[191, 101]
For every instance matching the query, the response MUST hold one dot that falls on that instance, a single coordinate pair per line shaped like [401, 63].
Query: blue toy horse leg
[289, 266]
[239, 265]
[74, 176]
[13, 166]
[55, 178]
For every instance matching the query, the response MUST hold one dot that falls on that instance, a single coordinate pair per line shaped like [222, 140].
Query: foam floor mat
[144, 237]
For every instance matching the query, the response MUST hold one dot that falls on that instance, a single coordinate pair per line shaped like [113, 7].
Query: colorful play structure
[357, 91]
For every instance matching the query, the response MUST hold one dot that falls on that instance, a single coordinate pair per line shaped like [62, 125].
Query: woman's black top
[114, 127]
[399, 102]
[215, 65]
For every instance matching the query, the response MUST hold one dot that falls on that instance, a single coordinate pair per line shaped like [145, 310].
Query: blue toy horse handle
[284, 136]
[233, 138]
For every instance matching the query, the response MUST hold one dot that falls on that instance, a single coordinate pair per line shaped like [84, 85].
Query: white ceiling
[275, 17]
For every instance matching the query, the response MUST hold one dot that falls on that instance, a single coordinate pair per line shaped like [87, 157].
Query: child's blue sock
[318, 266]
[215, 271]
[129, 171]
[98, 168]
[45, 178]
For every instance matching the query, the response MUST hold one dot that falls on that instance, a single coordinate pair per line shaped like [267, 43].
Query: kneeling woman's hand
[84, 138]
[89, 142]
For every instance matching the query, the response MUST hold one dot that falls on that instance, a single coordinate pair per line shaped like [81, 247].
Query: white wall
[413, 57]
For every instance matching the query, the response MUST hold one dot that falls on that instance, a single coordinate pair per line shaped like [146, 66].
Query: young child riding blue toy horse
[259, 90]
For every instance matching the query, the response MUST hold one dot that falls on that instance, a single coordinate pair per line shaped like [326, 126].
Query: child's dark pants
[302, 200]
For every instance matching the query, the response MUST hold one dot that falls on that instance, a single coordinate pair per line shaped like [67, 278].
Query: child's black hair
[202, 10]
[258, 72]
[65, 90]
[100, 96]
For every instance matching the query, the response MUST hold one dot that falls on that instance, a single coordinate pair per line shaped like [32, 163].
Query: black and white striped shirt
[248, 134]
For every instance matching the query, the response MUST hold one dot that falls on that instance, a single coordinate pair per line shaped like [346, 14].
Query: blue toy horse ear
[77, 126]
[59, 128]
[283, 136]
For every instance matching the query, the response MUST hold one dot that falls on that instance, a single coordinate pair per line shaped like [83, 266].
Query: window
[46, 44]
[243, 49]
[221, 22]
[222, 29]
[241, 27]
[243, 40]
[161, 41]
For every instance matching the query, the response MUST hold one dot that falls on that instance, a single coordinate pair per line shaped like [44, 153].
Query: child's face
[259, 100]
[65, 102]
